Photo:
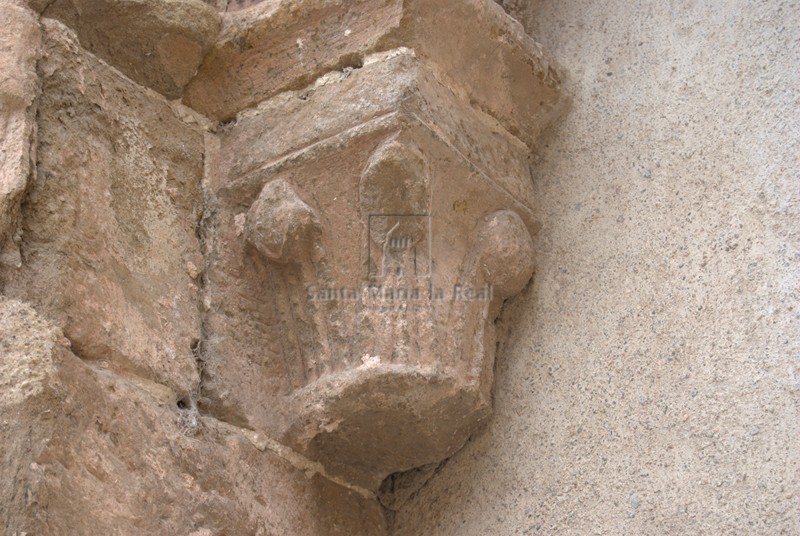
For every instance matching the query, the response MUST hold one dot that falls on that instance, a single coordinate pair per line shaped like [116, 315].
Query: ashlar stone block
[157, 43]
[109, 250]
[484, 56]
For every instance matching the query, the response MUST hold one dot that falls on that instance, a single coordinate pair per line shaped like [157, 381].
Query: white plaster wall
[650, 377]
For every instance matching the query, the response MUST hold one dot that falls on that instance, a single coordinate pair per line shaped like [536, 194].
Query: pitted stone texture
[28, 405]
[108, 241]
[280, 225]
[505, 251]
[484, 56]
[389, 83]
[20, 43]
[36, 5]
[236, 5]
[233, 5]
[525, 11]
[157, 43]
[280, 45]
[88, 452]
[412, 188]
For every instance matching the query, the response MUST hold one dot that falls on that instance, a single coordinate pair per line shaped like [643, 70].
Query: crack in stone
[295, 459]
[258, 440]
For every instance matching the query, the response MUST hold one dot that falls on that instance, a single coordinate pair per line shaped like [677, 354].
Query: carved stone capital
[364, 231]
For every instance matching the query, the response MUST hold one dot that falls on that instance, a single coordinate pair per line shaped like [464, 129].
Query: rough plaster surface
[649, 380]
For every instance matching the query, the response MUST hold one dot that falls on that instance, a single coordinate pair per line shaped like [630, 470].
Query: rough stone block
[484, 57]
[388, 83]
[108, 245]
[157, 43]
[89, 452]
[20, 43]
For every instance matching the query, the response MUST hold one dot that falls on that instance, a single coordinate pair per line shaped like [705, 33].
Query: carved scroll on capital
[281, 226]
[504, 253]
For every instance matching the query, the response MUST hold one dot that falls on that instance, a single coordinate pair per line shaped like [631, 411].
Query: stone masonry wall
[212, 213]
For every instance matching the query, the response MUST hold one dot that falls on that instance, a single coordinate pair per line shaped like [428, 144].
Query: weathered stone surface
[236, 5]
[233, 5]
[281, 226]
[19, 48]
[28, 406]
[279, 45]
[88, 452]
[382, 179]
[649, 381]
[108, 246]
[36, 5]
[388, 83]
[359, 236]
[157, 43]
[504, 252]
[484, 56]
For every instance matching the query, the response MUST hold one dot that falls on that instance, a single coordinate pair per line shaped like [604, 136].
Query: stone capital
[367, 221]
